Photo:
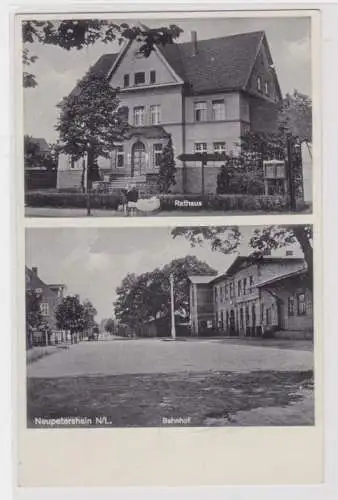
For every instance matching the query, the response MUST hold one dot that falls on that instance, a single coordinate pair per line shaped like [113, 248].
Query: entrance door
[232, 323]
[138, 159]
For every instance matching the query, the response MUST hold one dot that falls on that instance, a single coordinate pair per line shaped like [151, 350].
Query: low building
[254, 297]
[49, 295]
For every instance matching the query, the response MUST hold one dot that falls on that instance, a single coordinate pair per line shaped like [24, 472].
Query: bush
[227, 202]
[72, 200]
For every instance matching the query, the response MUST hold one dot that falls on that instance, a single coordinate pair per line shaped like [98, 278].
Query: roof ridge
[201, 40]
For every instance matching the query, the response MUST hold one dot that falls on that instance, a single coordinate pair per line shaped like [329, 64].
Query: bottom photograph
[169, 326]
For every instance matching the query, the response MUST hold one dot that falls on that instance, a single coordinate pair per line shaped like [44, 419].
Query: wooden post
[290, 176]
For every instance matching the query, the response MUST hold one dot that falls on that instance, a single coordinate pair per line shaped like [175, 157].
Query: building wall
[201, 307]
[132, 63]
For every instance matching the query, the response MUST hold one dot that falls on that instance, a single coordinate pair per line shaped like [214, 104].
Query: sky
[92, 262]
[57, 70]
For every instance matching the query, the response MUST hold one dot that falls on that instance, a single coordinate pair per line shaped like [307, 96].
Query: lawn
[208, 398]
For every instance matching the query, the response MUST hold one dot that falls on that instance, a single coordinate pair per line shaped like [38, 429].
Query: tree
[76, 34]
[226, 239]
[167, 169]
[89, 313]
[70, 315]
[109, 326]
[90, 123]
[295, 116]
[147, 296]
[34, 318]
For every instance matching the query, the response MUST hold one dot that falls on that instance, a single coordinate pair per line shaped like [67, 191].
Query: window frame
[291, 306]
[119, 154]
[157, 153]
[259, 83]
[202, 150]
[136, 112]
[156, 114]
[220, 149]
[203, 116]
[152, 76]
[214, 116]
[44, 309]
[303, 303]
[126, 77]
[137, 75]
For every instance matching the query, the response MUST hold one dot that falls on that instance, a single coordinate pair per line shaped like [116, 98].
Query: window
[222, 320]
[215, 294]
[200, 111]
[119, 156]
[139, 78]
[241, 317]
[218, 110]
[244, 286]
[157, 153]
[126, 81]
[44, 308]
[251, 282]
[219, 147]
[139, 115]
[200, 147]
[226, 291]
[259, 83]
[266, 86]
[291, 305]
[231, 290]
[221, 294]
[301, 306]
[155, 114]
[239, 285]
[152, 76]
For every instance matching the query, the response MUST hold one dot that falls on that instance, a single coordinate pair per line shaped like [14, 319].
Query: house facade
[253, 298]
[50, 296]
[205, 93]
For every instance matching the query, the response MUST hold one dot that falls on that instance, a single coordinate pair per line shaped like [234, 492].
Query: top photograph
[167, 117]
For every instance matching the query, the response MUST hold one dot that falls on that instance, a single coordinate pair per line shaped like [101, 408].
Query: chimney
[194, 42]
[35, 271]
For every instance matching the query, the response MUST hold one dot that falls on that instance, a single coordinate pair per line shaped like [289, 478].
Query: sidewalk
[36, 353]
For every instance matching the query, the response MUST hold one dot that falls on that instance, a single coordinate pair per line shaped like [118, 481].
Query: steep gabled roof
[219, 64]
[283, 276]
[248, 260]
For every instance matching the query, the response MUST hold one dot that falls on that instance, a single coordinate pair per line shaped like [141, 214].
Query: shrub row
[169, 202]
[226, 202]
[72, 200]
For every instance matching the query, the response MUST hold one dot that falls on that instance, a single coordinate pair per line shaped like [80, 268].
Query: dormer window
[140, 78]
[259, 83]
[126, 80]
[152, 76]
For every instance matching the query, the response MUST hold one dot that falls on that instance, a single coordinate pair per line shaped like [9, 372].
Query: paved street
[119, 357]
[140, 382]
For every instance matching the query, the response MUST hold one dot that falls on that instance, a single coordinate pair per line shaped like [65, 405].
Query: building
[49, 296]
[40, 166]
[254, 297]
[205, 93]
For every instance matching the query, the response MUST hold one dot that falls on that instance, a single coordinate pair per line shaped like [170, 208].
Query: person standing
[132, 198]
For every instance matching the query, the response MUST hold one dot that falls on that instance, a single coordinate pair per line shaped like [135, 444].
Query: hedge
[225, 202]
[71, 200]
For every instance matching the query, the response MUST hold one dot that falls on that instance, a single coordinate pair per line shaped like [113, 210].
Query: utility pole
[87, 184]
[173, 329]
[290, 174]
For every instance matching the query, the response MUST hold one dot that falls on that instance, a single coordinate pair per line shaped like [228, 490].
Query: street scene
[197, 326]
[168, 117]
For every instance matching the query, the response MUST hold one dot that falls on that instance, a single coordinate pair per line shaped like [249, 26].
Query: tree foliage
[34, 157]
[90, 121]
[295, 116]
[167, 169]
[109, 325]
[147, 296]
[76, 34]
[89, 313]
[227, 239]
[70, 314]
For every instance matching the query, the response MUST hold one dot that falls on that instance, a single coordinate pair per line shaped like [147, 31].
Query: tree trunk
[303, 239]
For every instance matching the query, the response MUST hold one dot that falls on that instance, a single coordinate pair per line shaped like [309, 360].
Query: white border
[330, 108]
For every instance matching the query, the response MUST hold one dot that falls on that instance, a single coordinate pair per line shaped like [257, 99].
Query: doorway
[138, 162]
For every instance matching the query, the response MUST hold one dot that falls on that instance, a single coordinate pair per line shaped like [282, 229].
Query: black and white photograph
[167, 117]
[192, 326]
